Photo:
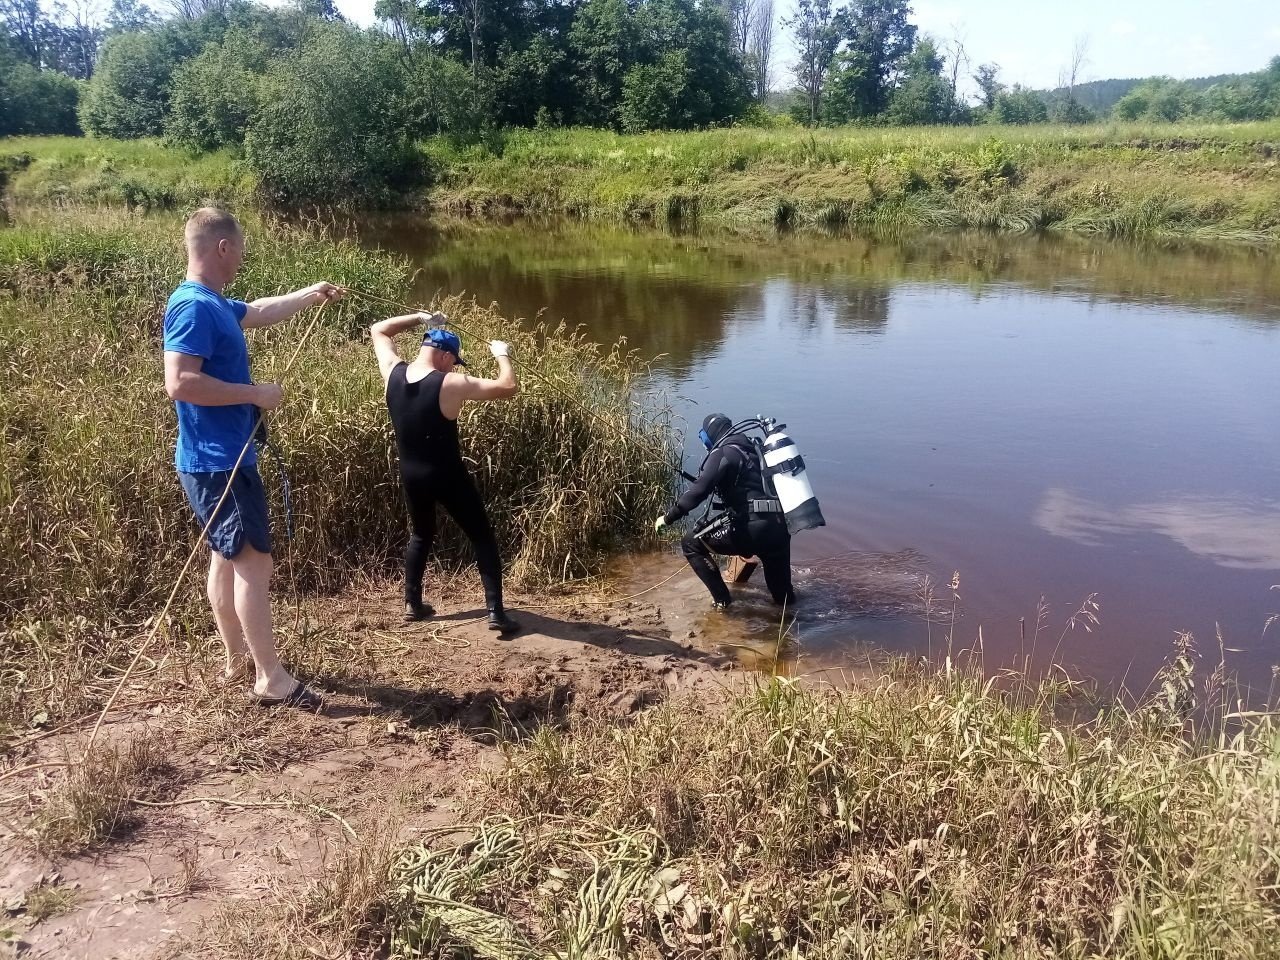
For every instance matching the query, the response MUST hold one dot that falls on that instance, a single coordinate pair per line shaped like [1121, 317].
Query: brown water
[1051, 418]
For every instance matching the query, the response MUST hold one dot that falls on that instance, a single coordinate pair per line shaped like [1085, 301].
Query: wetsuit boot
[500, 622]
[417, 611]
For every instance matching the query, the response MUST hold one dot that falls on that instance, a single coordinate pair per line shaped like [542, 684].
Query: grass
[925, 814]
[1131, 181]
[97, 527]
[136, 173]
[45, 901]
[94, 801]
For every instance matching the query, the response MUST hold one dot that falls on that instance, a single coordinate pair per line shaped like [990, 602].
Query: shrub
[333, 126]
[128, 96]
[36, 102]
[216, 94]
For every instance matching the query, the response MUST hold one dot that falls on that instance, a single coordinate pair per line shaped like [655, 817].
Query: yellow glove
[660, 522]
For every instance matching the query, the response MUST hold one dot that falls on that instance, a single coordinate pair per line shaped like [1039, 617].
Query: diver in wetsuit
[424, 398]
[756, 525]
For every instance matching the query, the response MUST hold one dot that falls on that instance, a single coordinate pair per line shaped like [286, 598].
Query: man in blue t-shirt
[206, 374]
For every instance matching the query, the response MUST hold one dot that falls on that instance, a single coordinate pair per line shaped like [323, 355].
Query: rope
[605, 603]
[182, 574]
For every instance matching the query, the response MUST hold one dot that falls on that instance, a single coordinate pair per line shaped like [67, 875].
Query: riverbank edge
[1211, 183]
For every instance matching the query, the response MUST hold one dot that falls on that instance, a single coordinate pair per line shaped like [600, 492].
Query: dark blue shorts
[243, 516]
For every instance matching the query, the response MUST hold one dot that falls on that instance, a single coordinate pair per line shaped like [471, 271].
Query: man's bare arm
[460, 387]
[384, 333]
[266, 311]
[185, 380]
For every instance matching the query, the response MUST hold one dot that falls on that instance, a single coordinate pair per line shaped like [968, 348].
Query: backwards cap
[445, 340]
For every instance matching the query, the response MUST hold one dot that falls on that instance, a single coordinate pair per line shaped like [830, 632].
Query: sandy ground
[411, 712]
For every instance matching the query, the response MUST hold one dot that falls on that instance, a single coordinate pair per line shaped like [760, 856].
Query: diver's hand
[660, 522]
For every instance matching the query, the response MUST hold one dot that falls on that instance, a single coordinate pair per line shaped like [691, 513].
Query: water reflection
[1239, 535]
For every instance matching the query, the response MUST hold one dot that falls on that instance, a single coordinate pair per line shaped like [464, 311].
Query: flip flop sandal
[300, 696]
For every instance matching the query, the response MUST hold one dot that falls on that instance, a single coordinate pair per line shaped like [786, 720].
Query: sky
[1032, 40]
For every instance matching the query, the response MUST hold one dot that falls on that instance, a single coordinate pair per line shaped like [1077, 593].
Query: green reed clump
[96, 526]
[927, 815]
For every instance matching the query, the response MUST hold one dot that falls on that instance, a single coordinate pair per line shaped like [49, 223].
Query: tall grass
[135, 173]
[96, 527]
[1206, 181]
[927, 815]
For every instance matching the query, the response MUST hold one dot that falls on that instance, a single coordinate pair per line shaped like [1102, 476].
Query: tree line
[320, 107]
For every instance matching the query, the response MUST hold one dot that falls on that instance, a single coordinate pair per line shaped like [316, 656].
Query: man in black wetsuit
[425, 398]
[756, 525]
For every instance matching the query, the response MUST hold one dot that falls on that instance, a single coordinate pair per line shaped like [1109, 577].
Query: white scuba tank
[784, 469]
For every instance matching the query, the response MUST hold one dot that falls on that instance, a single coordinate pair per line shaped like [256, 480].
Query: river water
[1055, 419]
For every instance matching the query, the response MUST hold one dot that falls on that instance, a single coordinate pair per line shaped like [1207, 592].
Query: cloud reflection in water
[1243, 535]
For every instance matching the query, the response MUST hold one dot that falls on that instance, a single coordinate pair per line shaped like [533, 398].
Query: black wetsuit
[732, 472]
[432, 471]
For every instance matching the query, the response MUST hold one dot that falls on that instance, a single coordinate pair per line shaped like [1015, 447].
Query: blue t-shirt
[203, 323]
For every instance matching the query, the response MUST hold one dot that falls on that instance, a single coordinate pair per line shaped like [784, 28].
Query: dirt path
[415, 713]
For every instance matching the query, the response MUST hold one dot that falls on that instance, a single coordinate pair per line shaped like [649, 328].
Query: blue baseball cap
[444, 340]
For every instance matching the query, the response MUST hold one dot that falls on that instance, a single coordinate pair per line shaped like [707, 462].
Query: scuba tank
[784, 470]
[781, 468]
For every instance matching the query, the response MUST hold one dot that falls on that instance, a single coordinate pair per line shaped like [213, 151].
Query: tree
[760, 49]
[1069, 110]
[409, 23]
[35, 102]
[126, 16]
[216, 94]
[741, 15]
[196, 9]
[989, 85]
[959, 57]
[1160, 99]
[878, 37]
[652, 94]
[670, 63]
[1018, 105]
[603, 44]
[816, 37]
[24, 24]
[924, 96]
[442, 97]
[71, 39]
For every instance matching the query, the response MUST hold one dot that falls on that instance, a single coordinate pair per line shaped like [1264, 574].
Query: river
[1061, 422]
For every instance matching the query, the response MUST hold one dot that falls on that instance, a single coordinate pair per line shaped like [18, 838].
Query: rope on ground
[195, 549]
[604, 603]
[232, 802]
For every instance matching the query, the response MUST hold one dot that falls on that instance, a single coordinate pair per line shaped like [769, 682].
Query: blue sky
[1032, 41]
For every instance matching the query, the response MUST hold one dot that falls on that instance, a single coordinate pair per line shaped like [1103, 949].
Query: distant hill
[1101, 95]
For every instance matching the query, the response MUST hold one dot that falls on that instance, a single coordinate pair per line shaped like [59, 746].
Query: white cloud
[1123, 28]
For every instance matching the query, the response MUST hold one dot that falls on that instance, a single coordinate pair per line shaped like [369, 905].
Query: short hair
[207, 226]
